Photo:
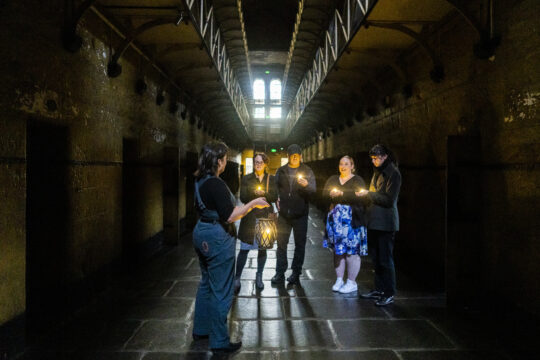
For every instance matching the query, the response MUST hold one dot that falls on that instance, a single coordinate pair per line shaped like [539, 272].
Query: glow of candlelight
[299, 176]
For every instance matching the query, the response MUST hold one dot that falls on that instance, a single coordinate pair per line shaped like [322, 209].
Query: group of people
[360, 220]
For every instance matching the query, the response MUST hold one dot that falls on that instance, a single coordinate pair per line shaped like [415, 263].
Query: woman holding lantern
[254, 185]
[346, 232]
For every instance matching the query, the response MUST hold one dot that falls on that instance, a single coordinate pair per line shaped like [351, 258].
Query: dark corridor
[47, 214]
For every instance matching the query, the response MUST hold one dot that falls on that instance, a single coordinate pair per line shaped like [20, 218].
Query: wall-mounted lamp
[160, 98]
[173, 106]
[140, 86]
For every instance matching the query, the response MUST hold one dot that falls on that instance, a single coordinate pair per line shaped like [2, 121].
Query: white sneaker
[338, 284]
[349, 287]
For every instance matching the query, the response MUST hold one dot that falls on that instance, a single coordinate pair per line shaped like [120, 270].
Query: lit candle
[268, 231]
[258, 188]
[299, 176]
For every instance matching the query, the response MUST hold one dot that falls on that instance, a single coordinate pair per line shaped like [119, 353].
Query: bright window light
[275, 112]
[258, 113]
[275, 91]
[258, 91]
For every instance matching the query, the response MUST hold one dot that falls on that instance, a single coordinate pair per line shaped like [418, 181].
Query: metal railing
[340, 32]
[202, 16]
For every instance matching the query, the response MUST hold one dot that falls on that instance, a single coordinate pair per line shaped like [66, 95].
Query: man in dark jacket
[295, 184]
[383, 222]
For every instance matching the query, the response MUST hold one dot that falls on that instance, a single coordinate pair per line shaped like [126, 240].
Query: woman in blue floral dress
[346, 232]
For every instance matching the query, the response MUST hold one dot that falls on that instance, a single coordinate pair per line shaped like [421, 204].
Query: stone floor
[149, 316]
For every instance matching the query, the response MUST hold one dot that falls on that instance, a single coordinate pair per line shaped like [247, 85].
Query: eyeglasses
[259, 162]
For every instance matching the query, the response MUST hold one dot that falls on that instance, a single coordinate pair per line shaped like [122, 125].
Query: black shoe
[385, 300]
[294, 279]
[259, 282]
[229, 349]
[237, 285]
[278, 279]
[199, 337]
[373, 294]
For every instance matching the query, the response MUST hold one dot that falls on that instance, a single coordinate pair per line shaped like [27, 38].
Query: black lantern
[265, 233]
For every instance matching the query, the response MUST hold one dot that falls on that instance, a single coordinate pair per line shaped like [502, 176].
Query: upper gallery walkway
[148, 315]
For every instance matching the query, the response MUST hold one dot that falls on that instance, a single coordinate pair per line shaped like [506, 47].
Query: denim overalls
[216, 251]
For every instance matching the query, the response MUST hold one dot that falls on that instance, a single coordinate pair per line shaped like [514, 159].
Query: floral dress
[345, 231]
[341, 236]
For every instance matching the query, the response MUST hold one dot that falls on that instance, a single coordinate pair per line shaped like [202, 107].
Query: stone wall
[91, 119]
[497, 102]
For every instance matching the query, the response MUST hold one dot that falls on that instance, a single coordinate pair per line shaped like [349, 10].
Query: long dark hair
[208, 158]
[380, 150]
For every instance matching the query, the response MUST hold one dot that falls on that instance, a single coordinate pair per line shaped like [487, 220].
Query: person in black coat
[346, 232]
[383, 222]
[254, 185]
[295, 183]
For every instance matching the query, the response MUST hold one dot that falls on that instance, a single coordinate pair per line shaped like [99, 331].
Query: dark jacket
[293, 198]
[348, 198]
[247, 193]
[383, 196]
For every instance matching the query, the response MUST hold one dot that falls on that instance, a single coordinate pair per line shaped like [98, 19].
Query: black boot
[258, 281]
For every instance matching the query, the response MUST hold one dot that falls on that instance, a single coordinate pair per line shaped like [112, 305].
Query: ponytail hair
[208, 158]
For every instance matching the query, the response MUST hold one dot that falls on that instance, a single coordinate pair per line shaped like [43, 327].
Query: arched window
[258, 112]
[275, 92]
[275, 112]
[258, 91]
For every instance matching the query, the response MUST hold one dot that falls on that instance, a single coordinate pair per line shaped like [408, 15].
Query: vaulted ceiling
[328, 55]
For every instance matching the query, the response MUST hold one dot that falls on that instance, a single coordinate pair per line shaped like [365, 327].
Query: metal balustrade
[202, 16]
[341, 30]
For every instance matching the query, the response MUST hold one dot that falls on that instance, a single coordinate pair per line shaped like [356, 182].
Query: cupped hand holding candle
[361, 192]
[301, 180]
[335, 192]
[259, 191]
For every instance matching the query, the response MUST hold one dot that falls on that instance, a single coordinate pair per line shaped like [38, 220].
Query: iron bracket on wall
[437, 72]
[114, 69]
[73, 42]
[398, 68]
[485, 48]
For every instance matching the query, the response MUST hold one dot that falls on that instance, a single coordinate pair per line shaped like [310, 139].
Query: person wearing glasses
[254, 185]
[383, 222]
[214, 239]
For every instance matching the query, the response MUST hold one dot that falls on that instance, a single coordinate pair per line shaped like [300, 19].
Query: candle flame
[268, 231]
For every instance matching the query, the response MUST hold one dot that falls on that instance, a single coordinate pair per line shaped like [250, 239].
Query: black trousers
[381, 248]
[299, 228]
